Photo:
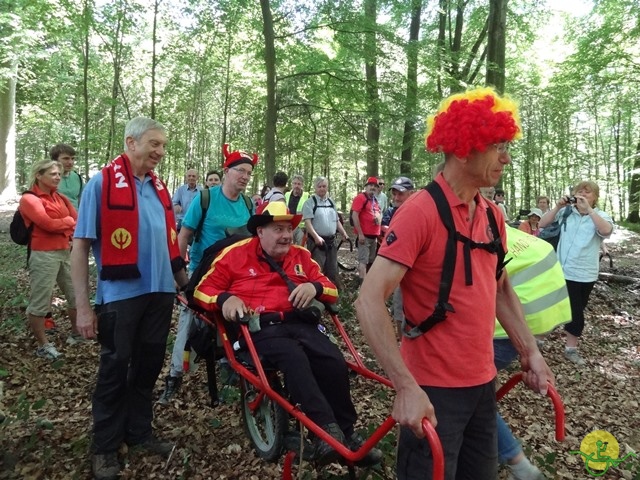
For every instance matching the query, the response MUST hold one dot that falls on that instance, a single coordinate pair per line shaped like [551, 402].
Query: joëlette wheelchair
[266, 410]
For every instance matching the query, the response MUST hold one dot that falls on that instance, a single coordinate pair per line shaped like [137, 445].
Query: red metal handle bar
[552, 393]
[436, 449]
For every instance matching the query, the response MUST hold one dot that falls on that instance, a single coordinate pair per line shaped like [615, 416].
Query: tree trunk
[634, 190]
[411, 100]
[270, 67]
[86, 18]
[112, 145]
[8, 131]
[496, 44]
[227, 91]
[371, 72]
[154, 58]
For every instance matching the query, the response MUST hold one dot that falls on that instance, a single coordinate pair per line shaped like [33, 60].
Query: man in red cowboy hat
[269, 277]
[367, 218]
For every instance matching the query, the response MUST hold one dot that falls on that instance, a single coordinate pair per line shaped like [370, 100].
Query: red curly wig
[472, 121]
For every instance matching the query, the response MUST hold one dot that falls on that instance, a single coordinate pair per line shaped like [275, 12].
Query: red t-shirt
[367, 209]
[459, 351]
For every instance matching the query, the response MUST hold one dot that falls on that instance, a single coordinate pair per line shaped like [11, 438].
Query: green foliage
[634, 227]
[14, 300]
[579, 111]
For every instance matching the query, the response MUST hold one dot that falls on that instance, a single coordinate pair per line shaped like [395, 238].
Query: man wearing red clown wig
[445, 371]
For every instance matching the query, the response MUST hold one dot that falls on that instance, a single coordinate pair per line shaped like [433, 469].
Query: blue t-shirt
[153, 255]
[221, 214]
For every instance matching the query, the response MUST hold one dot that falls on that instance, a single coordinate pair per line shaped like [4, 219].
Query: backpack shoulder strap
[247, 202]
[448, 266]
[205, 199]
[80, 178]
[565, 215]
[315, 204]
[497, 241]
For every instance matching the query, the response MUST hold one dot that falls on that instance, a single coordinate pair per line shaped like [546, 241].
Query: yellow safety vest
[303, 198]
[537, 278]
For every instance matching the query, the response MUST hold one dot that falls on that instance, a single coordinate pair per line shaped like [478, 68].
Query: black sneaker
[105, 466]
[172, 387]
[323, 453]
[373, 457]
[155, 446]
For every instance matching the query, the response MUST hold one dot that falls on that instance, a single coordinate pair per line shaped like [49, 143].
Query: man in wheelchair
[282, 288]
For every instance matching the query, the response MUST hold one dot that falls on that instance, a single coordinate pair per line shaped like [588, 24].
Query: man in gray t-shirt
[322, 223]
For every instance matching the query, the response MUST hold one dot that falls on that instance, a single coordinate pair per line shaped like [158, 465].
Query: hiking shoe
[373, 457]
[76, 339]
[48, 352]
[536, 476]
[105, 466]
[155, 446]
[49, 325]
[574, 357]
[323, 453]
[172, 386]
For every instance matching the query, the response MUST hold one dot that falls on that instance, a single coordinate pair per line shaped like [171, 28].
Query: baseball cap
[402, 184]
[371, 181]
[535, 211]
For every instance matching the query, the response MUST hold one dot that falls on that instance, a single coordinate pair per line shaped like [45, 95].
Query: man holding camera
[281, 287]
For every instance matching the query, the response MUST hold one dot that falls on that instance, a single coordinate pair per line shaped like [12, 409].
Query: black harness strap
[443, 306]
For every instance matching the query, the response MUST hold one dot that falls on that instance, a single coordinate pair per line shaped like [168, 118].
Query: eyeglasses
[502, 147]
[242, 171]
[381, 184]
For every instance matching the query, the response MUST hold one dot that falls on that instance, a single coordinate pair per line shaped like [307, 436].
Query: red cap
[372, 180]
[237, 157]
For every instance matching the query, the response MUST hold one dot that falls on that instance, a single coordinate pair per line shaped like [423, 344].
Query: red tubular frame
[259, 380]
[552, 393]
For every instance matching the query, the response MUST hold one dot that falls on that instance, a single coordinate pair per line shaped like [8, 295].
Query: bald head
[192, 177]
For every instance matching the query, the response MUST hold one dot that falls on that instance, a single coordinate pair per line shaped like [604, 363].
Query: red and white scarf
[119, 221]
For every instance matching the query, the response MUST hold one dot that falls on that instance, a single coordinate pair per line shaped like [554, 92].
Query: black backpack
[208, 256]
[443, 306]
[551, 233]
[20, 233]
[316, 206]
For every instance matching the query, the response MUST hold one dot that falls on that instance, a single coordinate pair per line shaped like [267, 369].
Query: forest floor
[46, 432]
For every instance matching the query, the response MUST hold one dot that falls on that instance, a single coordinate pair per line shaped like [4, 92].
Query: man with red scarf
[126, 218]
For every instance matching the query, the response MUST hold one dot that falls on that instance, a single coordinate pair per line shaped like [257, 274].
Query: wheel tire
[266, 426]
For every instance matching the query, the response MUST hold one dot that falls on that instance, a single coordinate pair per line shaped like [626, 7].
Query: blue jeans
[508, 446]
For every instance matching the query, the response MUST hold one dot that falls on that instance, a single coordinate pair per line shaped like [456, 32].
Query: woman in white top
[578, 253]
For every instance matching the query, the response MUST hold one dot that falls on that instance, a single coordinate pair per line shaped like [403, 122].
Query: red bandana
[119, 222]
